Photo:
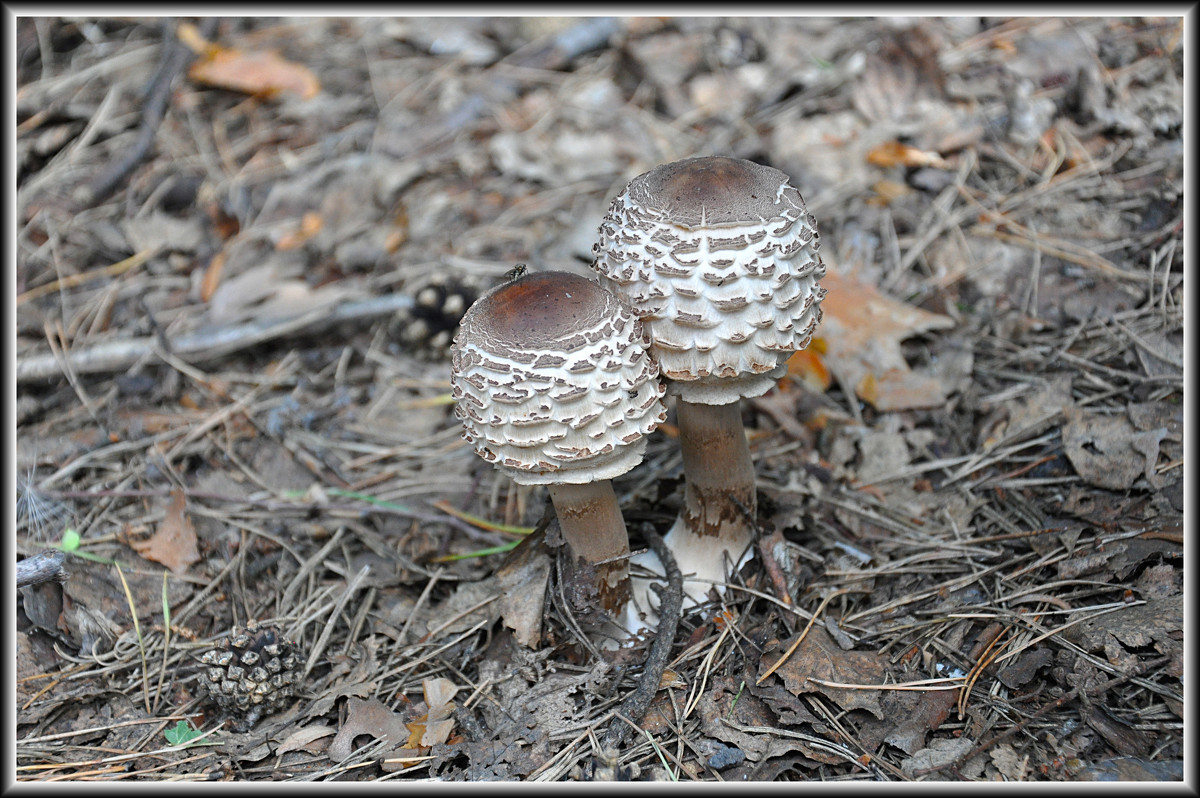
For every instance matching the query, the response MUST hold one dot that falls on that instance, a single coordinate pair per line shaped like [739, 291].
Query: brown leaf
[894, 153]
[519, 585]
[820, 656]
[1119, 734]
[1025, 668]
[174, 543]
[310, 224]
[863, 330]
[438, 721]
[212, 276]
[1108, 451]
[261, 73]
[1134, 626]
[727, 706]
[931, 711]
[368, 717]
[303, 739]
[1010, 764]
[1160, 581]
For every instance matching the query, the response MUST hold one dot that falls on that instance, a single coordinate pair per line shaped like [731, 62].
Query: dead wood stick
[209, 343]
[176, 57]
[670, 606]
[44, 566]
[1094, 690]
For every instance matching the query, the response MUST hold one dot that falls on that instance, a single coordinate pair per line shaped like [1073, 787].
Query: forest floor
[242, 246]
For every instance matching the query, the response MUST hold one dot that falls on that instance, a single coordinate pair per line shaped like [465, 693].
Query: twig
[775, 574]
[670, 606]
[795, 645]
[209, 343]
[1057, 703]
[175, 58]
[72, 280]
[319, 647]
[42, 567]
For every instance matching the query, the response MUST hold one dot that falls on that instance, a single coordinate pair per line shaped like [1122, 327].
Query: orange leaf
[310, 225]
[894, 153]
[259, 73]
[416, 730]
[806, 367]
[868, 389]
[212, 276]
[863, 329]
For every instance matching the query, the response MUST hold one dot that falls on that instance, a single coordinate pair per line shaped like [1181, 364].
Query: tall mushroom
[554, 386]
[719, 258]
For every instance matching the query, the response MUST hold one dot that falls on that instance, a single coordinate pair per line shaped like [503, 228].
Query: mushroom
[553, 385]
[719, 258]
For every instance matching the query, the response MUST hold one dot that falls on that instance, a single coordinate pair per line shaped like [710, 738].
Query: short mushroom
[719, 258]
[553, 385]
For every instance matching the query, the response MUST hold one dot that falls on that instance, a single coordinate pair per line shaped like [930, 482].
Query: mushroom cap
[720, 259]
[553, 381]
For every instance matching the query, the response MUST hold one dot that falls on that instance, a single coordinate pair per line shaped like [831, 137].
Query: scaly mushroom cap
[719, 258]
[553, 382]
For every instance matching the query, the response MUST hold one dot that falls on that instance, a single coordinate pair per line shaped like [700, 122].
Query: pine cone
[251, 673]
[427, 329]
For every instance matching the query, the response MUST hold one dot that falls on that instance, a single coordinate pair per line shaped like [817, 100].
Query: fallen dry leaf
[310, 224]
[807, 367]
[863, 329]
[1108, 451]
[266, 291]
[212, 276]
[174, 542]
[930, 711]
[820, 656]
[439, 721]
[894, 153]
[519, 586]
[303, 739]
[262, 73]
[942, 752]
[368, 717]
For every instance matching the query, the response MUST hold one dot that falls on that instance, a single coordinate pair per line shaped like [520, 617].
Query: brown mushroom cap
[553, 382]
[720, 259]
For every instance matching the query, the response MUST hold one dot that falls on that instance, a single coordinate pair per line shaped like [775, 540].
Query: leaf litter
[972, 481]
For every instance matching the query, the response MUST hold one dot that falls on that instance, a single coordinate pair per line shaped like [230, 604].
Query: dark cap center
[541, 308]
[714, 190]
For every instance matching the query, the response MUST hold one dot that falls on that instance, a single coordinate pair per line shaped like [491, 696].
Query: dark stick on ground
[671, 603]
[175, 59]
[45, 566]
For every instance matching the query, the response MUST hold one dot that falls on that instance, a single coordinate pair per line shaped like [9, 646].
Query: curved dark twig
[670, 606]
[175, 59]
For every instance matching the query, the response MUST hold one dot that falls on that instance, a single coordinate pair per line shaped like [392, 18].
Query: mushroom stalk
[591, 523]
[719, 490]
[713, 532]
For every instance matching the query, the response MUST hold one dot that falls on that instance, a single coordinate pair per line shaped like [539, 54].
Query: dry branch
[45, 566]
[209, 343]
[670, 605]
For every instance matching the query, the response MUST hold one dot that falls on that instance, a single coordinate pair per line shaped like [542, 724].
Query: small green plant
[71, 542]
[183, 733]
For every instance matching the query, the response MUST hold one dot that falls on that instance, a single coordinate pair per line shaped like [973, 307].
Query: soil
[242, 248]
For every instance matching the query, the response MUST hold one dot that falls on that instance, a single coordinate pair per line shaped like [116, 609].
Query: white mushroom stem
[593, 527]
[714, 532]
[712, 535]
